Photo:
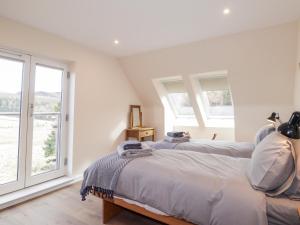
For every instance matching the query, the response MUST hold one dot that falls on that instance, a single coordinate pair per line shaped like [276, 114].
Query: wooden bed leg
[109, 211]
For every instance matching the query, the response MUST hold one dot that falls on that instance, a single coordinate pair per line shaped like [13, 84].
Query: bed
[280, 211]
[164, 187]
[229, 148]
[283, 211]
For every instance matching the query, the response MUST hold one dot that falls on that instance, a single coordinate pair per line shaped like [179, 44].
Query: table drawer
[146, 133]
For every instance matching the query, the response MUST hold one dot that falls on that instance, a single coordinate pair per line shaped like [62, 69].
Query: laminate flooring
[64, 207]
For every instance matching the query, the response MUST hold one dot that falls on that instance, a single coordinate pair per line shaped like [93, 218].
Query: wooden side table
[140, 133]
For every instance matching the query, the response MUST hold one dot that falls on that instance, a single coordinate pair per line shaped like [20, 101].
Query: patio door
[46, 121]
[33, 99]
[14, 83]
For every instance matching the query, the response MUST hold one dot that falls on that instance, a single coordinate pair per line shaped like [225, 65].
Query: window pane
[218, 104]
[219, 98]
[48, 92]
[11, 73]
[216, 97]
[9, 146]
[181, 104]
[46, 119]
[45, 143]
[178, 98]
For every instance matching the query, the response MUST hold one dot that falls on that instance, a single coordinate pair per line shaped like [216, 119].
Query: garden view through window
[31, 112]
[216, 97]
[178, 98]
[181, 103]
[46, 119]
[11, 73]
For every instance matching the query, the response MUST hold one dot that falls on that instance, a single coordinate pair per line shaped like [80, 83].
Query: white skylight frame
[221, 121]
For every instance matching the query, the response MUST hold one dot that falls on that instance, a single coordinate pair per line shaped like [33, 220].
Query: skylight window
[214, 99]
[178, 99]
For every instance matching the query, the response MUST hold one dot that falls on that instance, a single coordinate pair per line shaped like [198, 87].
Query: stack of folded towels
[177, 137]
[134, 149]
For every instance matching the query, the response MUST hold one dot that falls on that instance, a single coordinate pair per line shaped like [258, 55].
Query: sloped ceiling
[143, 25]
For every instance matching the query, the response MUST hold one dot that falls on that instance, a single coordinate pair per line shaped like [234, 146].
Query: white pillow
[294, 190]
[272, 164]
[263, 132]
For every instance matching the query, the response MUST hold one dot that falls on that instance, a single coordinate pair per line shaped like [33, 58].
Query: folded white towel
[177, 139]
[134, 153]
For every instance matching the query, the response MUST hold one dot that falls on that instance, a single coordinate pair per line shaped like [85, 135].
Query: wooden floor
[64, 207]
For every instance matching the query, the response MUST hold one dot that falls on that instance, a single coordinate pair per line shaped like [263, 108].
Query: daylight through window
[178, 98]
[216, 98]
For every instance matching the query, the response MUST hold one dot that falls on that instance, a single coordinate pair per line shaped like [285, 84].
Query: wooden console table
[140, 133]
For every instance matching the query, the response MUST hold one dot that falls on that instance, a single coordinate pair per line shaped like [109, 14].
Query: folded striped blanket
[102, 176]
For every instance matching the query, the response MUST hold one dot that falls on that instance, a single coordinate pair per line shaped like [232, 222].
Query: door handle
[31, 109]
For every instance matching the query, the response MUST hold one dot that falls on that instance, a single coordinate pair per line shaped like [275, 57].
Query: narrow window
[178, 99]
[216, 97]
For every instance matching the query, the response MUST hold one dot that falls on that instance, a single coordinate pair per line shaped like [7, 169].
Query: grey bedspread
[205, 189]
[102, 176]
[283, 211]
[233, 149]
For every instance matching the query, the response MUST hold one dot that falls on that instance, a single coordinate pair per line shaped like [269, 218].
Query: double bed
[183, 187]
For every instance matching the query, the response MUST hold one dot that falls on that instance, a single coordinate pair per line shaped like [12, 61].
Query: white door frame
[62, 151]
[19, 183]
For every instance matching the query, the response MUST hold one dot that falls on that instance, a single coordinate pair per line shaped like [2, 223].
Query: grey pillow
[272, 166]
[294, 190]
[263, 132]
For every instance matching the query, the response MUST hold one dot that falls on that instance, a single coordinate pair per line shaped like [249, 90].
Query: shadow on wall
[118, 134]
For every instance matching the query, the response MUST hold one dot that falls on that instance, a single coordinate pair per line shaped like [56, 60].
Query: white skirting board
[26, 194]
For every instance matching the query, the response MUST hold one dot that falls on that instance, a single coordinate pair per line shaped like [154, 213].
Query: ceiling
[143, 25]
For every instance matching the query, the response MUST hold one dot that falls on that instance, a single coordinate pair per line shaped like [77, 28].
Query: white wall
[261, 67]
[297, 77]
[102, 92]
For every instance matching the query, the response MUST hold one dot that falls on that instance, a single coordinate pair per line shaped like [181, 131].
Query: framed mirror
[135, 116]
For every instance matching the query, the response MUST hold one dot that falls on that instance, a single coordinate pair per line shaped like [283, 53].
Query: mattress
[283, 211]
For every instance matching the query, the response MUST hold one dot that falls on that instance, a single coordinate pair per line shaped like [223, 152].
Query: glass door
[14, 72]
[33, 129]
[46, 121]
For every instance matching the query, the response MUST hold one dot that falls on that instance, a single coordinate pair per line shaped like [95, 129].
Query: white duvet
[205, 189]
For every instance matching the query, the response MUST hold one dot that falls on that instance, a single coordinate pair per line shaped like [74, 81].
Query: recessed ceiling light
[226, 11]
[116, 42]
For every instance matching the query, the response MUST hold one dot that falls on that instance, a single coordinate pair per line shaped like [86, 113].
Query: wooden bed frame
[112, 207]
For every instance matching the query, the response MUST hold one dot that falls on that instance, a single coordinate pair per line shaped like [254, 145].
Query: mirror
[135, 116]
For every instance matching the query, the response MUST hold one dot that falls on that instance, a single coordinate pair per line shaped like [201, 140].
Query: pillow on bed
[263, 132]
[294, 191]
[271, 167]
